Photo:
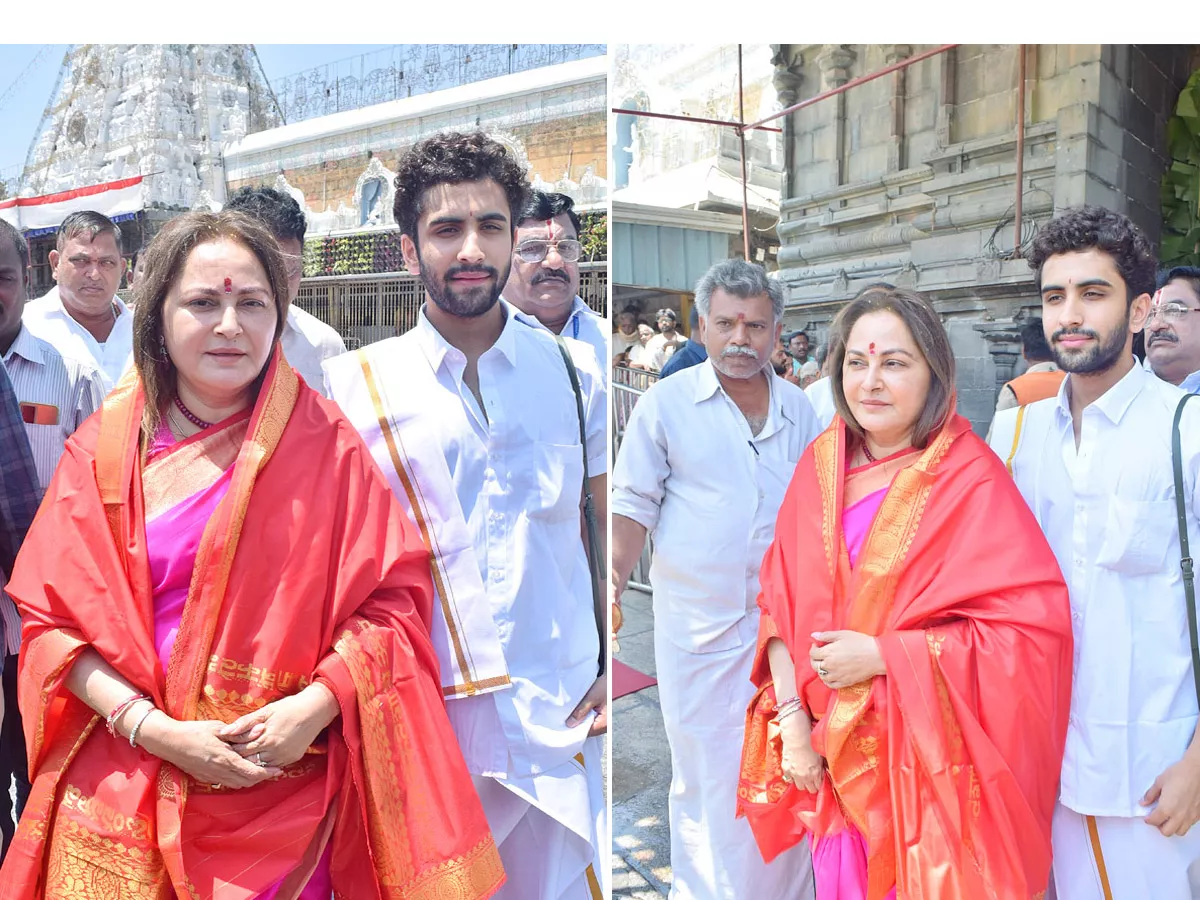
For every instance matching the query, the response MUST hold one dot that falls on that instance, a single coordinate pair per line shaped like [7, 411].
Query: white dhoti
[548, 829]
[1135, 857]
[703, 697]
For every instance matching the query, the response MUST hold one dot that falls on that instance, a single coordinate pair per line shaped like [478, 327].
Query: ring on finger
[822, 671]
[258, 761]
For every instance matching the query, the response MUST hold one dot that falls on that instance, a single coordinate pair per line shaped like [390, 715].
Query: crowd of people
[896, 660]
[282, 621]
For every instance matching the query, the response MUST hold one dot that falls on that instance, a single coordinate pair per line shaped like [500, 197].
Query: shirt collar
[26, 346]
[1191, 384]
[1114, 402]
[578, 308]
[436, 347]
[56, 297]
[707, 386]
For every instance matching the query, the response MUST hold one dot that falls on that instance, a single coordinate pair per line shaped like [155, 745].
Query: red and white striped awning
[114, 199]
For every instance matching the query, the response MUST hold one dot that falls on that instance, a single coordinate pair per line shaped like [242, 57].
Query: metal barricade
[627, 386]
[368, 308]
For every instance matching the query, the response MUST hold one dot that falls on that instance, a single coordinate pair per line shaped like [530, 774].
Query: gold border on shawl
[394, 442]
[86, 865]
[475, 873]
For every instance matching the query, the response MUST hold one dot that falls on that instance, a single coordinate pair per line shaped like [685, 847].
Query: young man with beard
[473, 418]
[1172, 334]
[704, 464]
[1094, 464]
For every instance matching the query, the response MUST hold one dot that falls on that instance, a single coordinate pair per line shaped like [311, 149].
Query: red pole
[674, 118]
[1017, 207]
[853, 83]
[741, 132]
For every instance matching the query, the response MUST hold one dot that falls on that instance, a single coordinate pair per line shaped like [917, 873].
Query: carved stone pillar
[787, 80]
[834, 62]
[893, 54]
[1004, 345]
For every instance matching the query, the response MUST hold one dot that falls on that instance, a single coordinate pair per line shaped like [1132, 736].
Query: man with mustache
[703, 465]
[473, 418]
[82, 317]
[1094, 464]
[1172, 332]
[544, 282]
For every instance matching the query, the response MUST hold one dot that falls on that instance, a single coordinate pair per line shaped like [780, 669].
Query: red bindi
[229, 287]
[872, 348]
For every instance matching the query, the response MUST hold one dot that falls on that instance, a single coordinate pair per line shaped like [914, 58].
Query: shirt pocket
[1140, 537]
[558, 474]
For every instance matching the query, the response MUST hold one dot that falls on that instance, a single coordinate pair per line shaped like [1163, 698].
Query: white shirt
[308, 342]
[582, 324]
[709, 491]
[74, 389]
[1108, 511]
[518, 474]
[820, 395]
[657, 346]
[47, 319]
[621, 342]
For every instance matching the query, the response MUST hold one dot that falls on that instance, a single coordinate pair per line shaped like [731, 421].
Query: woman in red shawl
[227, 680]
[915, 648]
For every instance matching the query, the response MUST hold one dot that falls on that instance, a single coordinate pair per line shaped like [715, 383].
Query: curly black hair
[1094, 227]
[453, 158]
[277, 211]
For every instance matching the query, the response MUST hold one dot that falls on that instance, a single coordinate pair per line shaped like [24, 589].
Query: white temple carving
[164, 111]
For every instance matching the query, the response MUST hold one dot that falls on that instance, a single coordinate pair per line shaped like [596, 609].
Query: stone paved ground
[641, 769]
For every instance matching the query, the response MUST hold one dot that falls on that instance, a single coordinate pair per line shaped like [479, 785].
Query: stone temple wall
[911, 178]
[559, 134]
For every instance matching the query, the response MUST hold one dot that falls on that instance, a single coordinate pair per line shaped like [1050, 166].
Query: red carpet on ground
[626, 680]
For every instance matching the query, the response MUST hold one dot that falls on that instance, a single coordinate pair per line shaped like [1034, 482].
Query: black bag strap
[589, 506]
[1185, 561]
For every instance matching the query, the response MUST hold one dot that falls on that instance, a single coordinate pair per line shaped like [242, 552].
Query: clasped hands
[840, 659]
[843, 658]
[248, 751]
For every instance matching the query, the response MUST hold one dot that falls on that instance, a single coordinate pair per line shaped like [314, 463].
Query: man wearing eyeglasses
[81, 317]
[306, 340]
[1172, 332]
[544, 281]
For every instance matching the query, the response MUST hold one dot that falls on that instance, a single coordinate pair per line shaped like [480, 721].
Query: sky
[28, 73]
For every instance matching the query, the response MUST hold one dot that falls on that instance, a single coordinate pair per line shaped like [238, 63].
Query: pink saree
[840, 860]
[185, 481]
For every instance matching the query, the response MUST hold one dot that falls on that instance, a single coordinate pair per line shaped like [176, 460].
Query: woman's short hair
[166, 256]
[925, 326]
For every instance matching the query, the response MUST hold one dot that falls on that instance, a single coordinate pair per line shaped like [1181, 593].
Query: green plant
[594, 236]
[1181, 182]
